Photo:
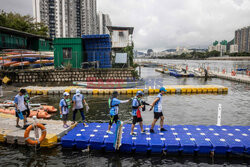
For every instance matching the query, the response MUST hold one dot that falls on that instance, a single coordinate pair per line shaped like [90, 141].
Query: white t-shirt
[19, 100]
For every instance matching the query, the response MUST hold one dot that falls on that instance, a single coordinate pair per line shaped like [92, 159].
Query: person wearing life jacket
[21, 109]
[27, 102]
[114, 108]
[64, 109]
[1, 89]
[157, 105]
[136, 112]
[78, 102]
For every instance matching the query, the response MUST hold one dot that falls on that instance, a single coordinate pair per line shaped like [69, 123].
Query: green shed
[68, 51]
[41, 44]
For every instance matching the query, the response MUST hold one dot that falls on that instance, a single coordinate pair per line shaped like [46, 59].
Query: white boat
[109, 85]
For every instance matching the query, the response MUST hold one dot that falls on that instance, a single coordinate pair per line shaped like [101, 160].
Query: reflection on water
[191, 109]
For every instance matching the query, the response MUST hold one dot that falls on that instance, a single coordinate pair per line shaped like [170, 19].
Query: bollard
[219, 116]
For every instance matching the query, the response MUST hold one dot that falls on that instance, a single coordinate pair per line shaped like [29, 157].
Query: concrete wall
[70, 76]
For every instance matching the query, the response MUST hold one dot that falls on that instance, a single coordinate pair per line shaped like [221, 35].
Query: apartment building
[242, 39]
[103, 21]
[67, 18]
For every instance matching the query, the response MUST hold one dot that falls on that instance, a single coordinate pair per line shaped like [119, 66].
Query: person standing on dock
[78, 101]
[136, 112]
[157, 105]
[27, 102]
[1, 88]
[64, 109]
[114, 108]
[21, 108]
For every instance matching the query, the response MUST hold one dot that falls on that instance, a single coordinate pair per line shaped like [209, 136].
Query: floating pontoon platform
[183, 89]
[187, 139]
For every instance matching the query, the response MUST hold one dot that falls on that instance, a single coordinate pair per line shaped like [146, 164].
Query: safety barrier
[171, 89]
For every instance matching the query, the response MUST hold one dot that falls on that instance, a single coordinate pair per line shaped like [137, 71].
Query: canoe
[18, 64]
[109, 85]
[43, 61]
[27, 55]
[10, 63]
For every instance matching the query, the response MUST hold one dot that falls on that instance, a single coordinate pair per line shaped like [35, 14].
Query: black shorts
[76, 110]
[157, 115]
[136, 119]
[65, 117]
[113, 118]
[23, 112]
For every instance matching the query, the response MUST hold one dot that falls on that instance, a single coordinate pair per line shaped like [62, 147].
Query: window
[120, 33]
[67, 53]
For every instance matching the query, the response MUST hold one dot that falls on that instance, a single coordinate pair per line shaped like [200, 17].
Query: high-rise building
[67, 18]
[103, 21]
[242, 39]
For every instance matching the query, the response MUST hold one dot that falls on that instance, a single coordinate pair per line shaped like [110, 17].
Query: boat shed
[14, 39]
[68, 52]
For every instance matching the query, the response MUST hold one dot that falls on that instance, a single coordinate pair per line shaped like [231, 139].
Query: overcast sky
[163, 24]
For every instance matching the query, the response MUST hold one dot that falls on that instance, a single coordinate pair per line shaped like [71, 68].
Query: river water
[199, 109]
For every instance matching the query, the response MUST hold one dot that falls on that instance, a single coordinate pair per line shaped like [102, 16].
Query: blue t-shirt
[158, 105]
[64, 107]
[78, 99]
[114, 110]
[135, 103]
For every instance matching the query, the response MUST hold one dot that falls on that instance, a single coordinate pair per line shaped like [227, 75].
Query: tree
[22, 23]
[130, 51]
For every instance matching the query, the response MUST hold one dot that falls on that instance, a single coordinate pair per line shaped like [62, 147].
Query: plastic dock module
[171, 89]
[186, 139]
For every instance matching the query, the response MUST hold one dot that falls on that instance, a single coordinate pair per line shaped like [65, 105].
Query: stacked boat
[25, 59]
[38, 110]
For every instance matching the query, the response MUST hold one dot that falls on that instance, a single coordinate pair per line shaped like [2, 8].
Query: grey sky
[161, 24]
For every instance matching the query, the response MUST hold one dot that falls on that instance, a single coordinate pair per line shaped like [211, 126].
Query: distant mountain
[169, 50]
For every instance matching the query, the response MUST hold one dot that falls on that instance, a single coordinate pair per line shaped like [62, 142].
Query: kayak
[18, 64]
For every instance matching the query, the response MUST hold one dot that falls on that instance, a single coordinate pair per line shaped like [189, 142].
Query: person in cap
[27, 102]
[157, 105]
[78, 102]
[64, 109]
[21, 108]
[1, 89]
[136, 112]
[114, 108]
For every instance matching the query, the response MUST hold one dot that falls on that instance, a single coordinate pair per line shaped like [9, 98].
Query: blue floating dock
[186, 139]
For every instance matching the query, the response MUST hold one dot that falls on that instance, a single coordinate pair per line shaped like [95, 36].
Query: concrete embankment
[36, 76]
[229, 58]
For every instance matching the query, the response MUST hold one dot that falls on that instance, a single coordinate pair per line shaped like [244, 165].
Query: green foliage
[22, 23]
[213, 53]
[243, 54]
[129, 50]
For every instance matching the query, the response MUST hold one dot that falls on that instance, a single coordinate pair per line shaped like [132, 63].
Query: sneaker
[162, 129]
[109, 132]
[152, 131]
[133, 134]
[65, 126]
[143, 131]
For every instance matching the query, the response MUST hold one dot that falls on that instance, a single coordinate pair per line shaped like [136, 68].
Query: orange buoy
[27, 133]
[50, 109]
[233, 73]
